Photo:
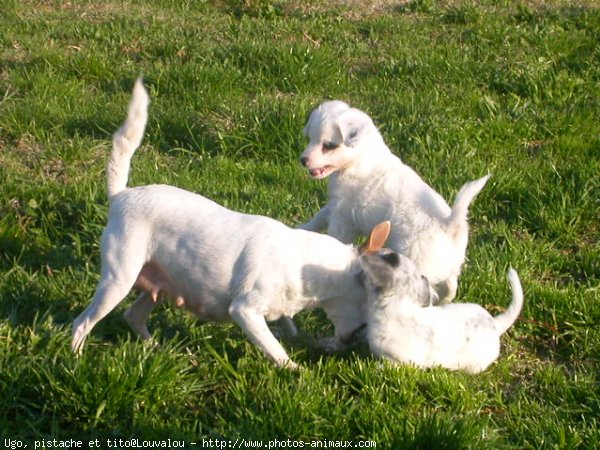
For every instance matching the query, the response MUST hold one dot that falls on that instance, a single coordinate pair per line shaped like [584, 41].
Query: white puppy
[369, 184]
[218, 264]
[456, 336]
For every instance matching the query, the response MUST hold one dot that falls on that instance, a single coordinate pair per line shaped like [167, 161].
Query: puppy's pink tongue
[316, 172]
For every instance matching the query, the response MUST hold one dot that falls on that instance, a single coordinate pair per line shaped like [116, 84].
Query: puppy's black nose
[303, 160]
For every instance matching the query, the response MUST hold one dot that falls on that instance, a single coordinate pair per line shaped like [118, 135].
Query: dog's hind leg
[255, 327]
[109, 293]
[138, 313]
[121, 264]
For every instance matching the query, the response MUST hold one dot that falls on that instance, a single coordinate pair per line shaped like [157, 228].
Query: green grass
[458, 88]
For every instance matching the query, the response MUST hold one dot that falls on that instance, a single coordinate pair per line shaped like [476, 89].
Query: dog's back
[224, 250]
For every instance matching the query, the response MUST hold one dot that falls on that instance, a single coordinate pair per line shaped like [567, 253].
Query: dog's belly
[157, 282]
[206, 307]
[201, 302]
[207, 290]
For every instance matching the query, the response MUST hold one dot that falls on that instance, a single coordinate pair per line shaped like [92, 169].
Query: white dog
[456, 336]
[218, 264]
[369, 184]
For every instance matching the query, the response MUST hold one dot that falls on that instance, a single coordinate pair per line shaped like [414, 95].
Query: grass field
[458, 89]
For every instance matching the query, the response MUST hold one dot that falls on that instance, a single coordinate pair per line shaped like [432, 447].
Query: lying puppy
[216, 263]
[368, 185]
[456, 336]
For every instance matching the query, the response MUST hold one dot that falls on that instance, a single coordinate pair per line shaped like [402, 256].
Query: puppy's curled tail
[457, 221]
[127, 139]
[505, 320]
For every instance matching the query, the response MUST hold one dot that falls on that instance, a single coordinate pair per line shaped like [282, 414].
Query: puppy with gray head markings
[455, 336]
[368, 184]
[219, 264]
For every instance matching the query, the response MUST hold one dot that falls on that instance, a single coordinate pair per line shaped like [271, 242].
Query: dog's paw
[291, 365]
[151, 343]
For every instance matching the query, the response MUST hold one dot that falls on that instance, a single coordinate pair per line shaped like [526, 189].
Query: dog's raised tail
[464, 198]
[127, 139]
[505, 320]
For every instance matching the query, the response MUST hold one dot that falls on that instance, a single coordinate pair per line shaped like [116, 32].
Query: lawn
[458, 88]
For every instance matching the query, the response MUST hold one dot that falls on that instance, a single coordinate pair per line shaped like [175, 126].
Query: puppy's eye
[328, 146]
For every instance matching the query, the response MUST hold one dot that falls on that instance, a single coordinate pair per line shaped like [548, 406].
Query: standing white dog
[369, 184]
[456, 336]
[218, 264]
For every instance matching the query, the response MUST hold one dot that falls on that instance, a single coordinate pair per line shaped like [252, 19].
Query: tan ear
[377, 239]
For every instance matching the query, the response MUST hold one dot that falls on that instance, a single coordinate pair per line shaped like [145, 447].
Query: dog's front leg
[319, 222]
[343, 228]
[255, 327]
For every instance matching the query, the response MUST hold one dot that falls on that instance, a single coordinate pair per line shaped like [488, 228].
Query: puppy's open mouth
[320, 172]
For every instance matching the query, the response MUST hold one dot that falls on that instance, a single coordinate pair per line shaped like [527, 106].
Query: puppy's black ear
[392, 258]
[379, 272]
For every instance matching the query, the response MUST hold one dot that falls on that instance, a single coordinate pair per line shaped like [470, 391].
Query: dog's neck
[349, 281]
[360, 178]
[371, 160]
[379, 302]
